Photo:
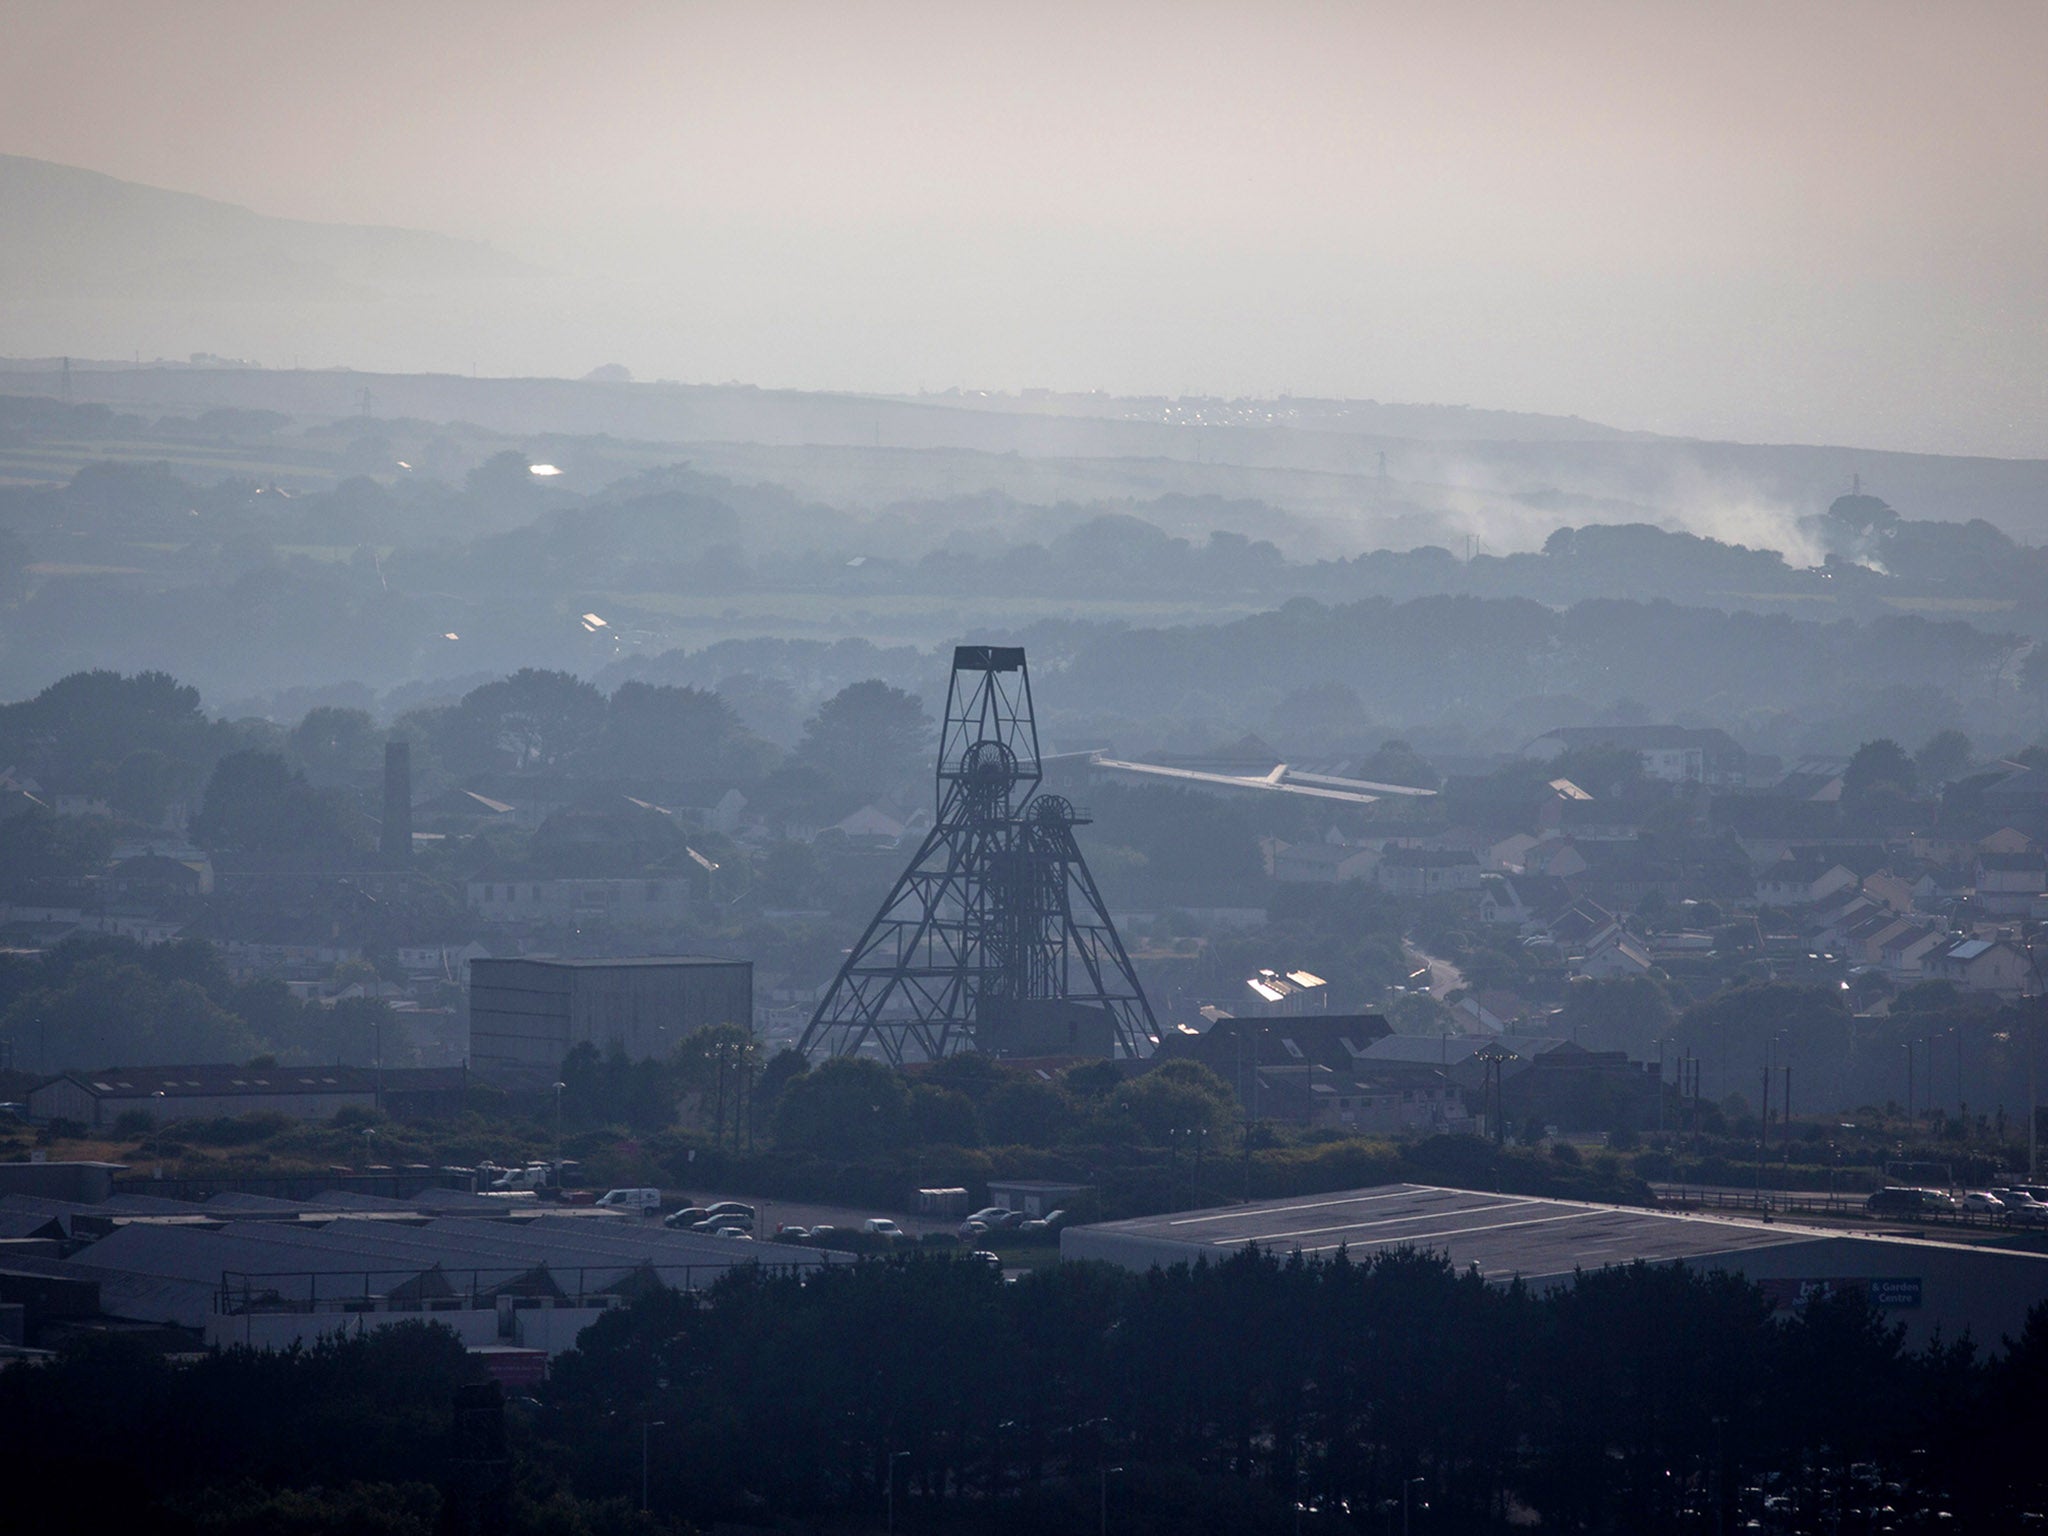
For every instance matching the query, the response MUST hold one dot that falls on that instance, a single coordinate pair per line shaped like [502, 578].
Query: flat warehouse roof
[1504, 1235]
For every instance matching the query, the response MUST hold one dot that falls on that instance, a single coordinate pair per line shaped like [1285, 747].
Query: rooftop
[587, 963]
[1501, 1235]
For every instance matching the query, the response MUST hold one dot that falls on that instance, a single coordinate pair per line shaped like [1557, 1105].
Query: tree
[334, 745]
[874, 739]
[1622, 1013]
[143, 784]
[673, 732]
[1180, 1095]
[942, 1117]
[2034, 677]
[1943, 756]
[848, 1107]
[1398, 763]
[1417, 1013]
[255, 804]
[532, 719]
[1877, 765]
[38, 845]
[1027, 1112]
[719, 1061]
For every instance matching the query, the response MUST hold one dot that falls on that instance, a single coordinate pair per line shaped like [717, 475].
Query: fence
[1806, 1202]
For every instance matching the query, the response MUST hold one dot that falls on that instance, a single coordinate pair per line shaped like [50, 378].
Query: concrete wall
[281, 1330]
[530, 1013]
[67, 1100]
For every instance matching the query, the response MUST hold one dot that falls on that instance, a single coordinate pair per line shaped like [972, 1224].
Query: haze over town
[1821, 223]
[1023, 769]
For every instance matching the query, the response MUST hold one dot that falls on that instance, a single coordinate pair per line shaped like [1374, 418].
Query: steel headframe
[997, 903]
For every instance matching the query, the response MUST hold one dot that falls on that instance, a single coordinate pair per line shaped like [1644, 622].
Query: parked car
[532, 1176]
[688, 1216]
[717, 1224]
[730, 1208]
[792, 1234]
[645, 1201]
[820, 1236]
[2021, 1208]
[1981, 1202]
[881, 1226]
[740, 1232]
[983, 1220]
[1898, 1200]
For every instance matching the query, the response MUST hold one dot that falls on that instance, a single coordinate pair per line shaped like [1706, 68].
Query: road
[1444, 977]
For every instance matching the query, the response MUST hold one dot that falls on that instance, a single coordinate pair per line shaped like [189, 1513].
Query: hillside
[75, 235]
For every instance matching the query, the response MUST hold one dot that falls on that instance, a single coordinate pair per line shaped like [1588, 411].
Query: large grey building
[526, 1015]
[1927, 1284]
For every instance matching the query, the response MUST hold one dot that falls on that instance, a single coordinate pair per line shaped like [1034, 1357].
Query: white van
[646, 1201]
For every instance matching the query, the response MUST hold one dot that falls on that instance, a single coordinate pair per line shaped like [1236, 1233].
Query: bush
[238, 1130]
[134, 1122]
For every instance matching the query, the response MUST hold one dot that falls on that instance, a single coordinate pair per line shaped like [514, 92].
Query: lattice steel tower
[995, 938]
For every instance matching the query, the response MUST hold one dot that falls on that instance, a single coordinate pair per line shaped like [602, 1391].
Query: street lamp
[1103, 1510]
[894, 1457]
[157, 1124]
[1492, 1058]
[558, 1120]
[645, 1426]
[1406, 1486]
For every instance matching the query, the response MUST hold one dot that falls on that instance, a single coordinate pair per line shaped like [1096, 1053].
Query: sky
[1770, 222]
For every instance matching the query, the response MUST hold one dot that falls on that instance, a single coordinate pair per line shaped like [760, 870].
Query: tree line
[1258, 1394]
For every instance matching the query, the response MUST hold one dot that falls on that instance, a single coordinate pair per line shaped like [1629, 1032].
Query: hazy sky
[1776, 221]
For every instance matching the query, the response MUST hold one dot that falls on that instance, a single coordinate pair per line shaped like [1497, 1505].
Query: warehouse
[242, 1269]
[526, 1015]
[98, 1099]
[1954, 1288]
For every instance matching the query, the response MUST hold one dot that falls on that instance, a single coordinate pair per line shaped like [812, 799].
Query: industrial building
[526, 1015]
[251, 1270]
[1930, 1286]
[98, 1099]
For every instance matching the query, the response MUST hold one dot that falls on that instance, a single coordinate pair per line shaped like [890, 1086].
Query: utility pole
[645, 1426]
[894, 1457]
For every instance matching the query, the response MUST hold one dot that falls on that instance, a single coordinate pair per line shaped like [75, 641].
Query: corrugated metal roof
[1500, 1235]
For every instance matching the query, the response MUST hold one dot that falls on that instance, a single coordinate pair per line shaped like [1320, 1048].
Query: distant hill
[77, 236]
